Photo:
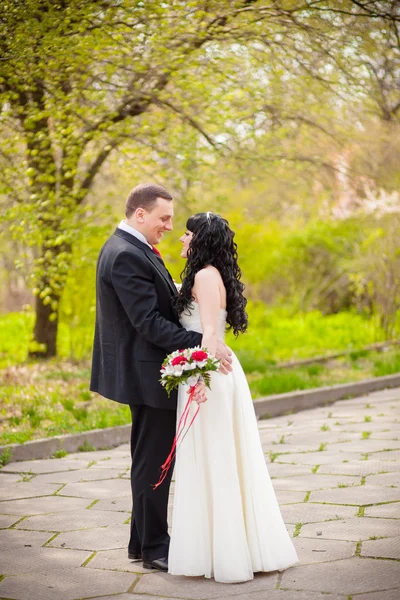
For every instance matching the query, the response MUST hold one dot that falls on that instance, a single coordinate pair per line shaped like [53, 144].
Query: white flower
[192, 380]
[201, 364]
[178, 371]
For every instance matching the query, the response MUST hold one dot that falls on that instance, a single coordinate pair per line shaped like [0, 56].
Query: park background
[282, 116]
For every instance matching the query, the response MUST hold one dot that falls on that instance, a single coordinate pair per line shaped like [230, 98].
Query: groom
[136, 327]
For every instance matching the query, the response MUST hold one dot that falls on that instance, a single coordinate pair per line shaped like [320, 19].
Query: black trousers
[153, 431]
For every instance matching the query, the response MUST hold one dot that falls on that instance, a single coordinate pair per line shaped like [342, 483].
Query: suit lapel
[153, 258]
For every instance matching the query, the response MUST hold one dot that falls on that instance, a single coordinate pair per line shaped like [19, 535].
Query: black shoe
[134, 556]
[158, 564]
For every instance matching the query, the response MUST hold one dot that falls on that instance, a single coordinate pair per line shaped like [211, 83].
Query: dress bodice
[190, 319]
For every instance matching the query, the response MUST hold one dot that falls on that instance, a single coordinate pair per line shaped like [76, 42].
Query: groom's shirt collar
[129, 229]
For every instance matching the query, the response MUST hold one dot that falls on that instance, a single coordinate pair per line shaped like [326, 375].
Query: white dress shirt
[125, 227]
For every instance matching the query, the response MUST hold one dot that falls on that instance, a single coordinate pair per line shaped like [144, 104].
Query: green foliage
[277, 335]
[86, 447]
[35, 405]
[274, 335]
[43, 400]
[5, 456]
[387, 365]
[179, 84]
[60, 453]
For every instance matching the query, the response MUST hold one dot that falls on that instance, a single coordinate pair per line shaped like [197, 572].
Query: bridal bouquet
[185, 366]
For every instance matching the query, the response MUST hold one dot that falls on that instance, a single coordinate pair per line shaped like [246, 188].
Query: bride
[226, 519]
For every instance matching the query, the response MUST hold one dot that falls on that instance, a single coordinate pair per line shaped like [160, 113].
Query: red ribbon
[180, 429]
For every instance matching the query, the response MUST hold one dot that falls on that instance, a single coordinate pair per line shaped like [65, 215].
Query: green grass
[60, 453]
[52, 398]
[40, 400]
[275, 335]
[5, 457]
[274, 380]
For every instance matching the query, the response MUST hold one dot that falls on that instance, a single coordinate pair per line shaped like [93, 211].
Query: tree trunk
[45, 331]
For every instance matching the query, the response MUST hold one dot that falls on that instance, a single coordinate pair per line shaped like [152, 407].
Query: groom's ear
[139, 214]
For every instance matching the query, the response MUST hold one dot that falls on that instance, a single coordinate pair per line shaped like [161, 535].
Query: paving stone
[46, 504]
[280, 470]
[78, 476]
[14, 538]
[307, 512]
[371, 445]
[123, 503]
[272, 595]
[385, 436]
[314, 482]
[389, 456]
[65, 584]
[318, 458]
[317, 550]
[104, 538]
[120, 464]
[357, 495]
[131, 597]
[27, 560]
[195, 588]
[8, 520]
[116, 560]
[107, 481]
[290, 528]
[349, 576]
[387, 548]
[111, 488]
[389, 595]
[384, 479]
[7, 479]
[317, 438]
[73, 520]
[376, 427]
[288, 446]
[356, 529]
[97, 455]
[359, 467]
[287, 497]
[27, 489]
[46, 465]
[386, 511]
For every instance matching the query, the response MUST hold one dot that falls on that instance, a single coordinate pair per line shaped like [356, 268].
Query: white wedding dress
[226, 520]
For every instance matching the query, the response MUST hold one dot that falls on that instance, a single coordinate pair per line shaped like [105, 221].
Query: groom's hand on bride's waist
[224, 354]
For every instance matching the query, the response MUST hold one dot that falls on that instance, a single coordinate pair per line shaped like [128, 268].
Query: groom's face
[158, 220]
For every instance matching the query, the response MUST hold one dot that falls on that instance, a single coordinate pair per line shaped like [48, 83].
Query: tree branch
[188, 119]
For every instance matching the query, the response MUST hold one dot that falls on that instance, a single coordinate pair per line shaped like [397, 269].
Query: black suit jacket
[136, 325]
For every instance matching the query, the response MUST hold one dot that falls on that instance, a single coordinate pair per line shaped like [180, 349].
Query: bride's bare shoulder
[208, 275]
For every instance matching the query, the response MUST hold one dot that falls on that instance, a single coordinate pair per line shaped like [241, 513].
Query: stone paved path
[64, 522]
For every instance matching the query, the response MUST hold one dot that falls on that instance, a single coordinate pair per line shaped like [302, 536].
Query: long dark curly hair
[212, 244]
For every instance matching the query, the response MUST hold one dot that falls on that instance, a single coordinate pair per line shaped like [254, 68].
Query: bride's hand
[200, 394]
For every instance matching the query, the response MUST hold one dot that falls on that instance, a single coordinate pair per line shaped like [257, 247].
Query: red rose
[178, 360]
[199, 355]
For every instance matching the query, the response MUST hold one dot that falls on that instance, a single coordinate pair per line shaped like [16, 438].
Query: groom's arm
[137, 293]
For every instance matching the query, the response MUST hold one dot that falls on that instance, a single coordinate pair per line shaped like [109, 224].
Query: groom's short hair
[144, 196]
